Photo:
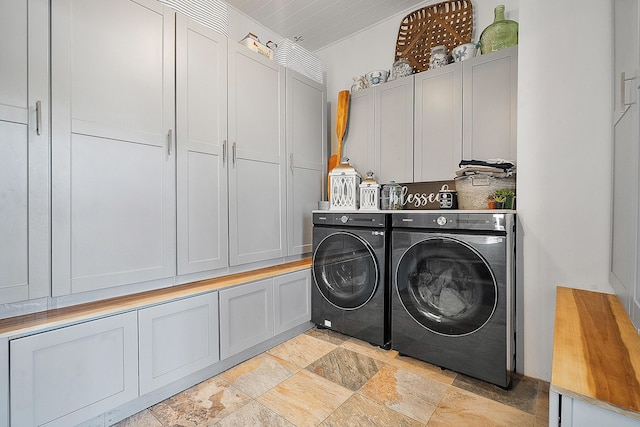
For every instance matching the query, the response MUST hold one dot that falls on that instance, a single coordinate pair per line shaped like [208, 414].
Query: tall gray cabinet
[113, 145]
[24, 140]
[202, 158]
[306, 150]
[625, 232]
[175, 154]
[257, 195]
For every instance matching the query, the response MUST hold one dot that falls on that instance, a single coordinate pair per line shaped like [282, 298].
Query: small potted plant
[504, 198]
[491, 201]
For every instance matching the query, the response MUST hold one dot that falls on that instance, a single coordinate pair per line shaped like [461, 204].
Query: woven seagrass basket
[449, 24]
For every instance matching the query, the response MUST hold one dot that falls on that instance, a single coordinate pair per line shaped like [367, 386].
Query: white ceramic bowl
[376, 77]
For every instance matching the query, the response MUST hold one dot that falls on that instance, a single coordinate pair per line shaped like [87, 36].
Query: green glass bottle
[502, 33]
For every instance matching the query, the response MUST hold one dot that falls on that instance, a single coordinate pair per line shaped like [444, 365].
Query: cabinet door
[438, 123]
[69, 375]
[357, 144]
[306, 148]
[246, 316]
[490, 88]
[24, 136]
[257, 191]
[113, 172]
[292, 300]
[393, 135]
[190, 325]
[625, 250]
[201, 131]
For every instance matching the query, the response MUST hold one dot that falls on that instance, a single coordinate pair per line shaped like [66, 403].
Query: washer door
[345, 270]
[446, 286]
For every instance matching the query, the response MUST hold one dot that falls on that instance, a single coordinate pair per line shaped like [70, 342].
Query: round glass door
[446, 286]
[345, 270]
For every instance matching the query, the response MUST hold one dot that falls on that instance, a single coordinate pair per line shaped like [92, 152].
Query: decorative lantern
[369, 193]
[344, 181]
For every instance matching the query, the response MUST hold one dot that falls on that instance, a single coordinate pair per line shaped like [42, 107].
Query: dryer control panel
[351, 219]
[454, 220]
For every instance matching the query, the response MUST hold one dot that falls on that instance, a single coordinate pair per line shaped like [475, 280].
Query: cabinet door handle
[170, 141]
[224, 152]
[38, 117]
[291, 162]
[234, 153]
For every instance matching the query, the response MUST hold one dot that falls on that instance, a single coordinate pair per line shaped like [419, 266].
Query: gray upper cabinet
[256, 129]
[24, 139]
[380, 131]
[438, 123]
[490, 104]
[306, 151]
[113, 148]
[393, 135]
[201, 132]
[461, 111]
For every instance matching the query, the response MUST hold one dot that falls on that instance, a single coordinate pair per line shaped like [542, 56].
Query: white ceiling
[317, 23]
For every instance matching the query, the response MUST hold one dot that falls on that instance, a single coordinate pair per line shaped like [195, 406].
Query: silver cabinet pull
[224, 151]
[234, 152]
[291, 162]
[170, 142]
[38, 117]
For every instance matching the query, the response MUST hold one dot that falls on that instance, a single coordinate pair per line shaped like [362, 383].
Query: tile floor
[323, 378]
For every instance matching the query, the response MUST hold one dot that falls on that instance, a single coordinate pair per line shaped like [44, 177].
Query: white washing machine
[453, 299]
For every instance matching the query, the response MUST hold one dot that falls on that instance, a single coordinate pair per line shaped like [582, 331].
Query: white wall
[564, 147]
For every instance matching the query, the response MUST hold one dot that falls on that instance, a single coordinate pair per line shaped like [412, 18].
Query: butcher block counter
[596, 361]
[52, 318]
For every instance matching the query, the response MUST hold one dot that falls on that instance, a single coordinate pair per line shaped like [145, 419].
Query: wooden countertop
[596, 351]
[29, 323]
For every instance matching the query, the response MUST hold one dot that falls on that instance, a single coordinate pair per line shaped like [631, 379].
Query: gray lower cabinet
[68, 375]
[189, 325]
[246, 316]
[255, 312]
[292, 300]
[567, 411]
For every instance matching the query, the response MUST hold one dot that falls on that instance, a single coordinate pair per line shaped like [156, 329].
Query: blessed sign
[424, 195]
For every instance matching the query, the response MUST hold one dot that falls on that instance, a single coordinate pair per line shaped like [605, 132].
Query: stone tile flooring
[323, 378]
